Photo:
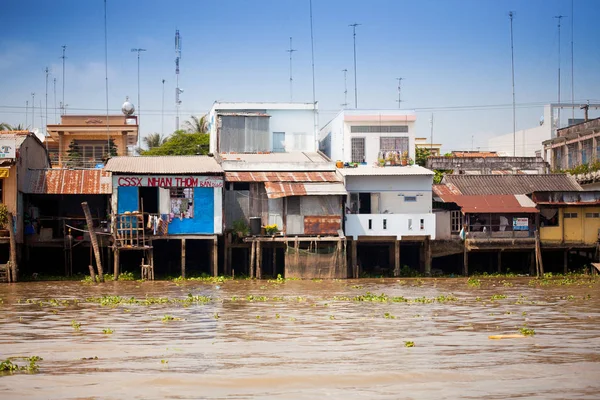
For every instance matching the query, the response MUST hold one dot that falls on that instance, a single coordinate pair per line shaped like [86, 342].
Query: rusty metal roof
[492, 203]
[510, 184]
[281, 176]
[164, 165]
[68, 181]
[582, 198]
[276, 190]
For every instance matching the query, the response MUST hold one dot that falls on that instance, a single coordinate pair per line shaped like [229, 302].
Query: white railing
[390, 225]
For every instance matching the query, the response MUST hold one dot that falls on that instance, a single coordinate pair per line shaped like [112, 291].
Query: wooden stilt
[397, 266]
[258, 260]
[215, 254]
[92, 273]
[93, 239]
[11, 270]
[566, 262]
[116, 263]
[183, 258]
[465, 261]
[354, 259]
[252, 258]
[532, 263]
[427, 256]
[499, 261]
[274, 261]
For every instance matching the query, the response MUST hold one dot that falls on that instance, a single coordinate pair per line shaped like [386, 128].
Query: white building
[361, 135]
[262, 127]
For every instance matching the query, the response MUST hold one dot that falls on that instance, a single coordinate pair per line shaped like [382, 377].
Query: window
[570, 215]
[379, 129]
[399, 144]
[455, 221]
[410, 224]
[410, 199]
[422, 224]
[182, 202]
[385, 223]
[592, 215]
[358, 150]
[278, 142]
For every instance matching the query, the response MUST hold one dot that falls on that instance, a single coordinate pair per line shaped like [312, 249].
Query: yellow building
[91, 135]
[569, 218]
[434, 148]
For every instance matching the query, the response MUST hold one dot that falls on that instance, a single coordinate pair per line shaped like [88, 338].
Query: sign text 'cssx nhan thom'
[169, 181]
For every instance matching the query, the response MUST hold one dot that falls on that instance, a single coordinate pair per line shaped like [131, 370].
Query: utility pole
[177, 90]
[162, 111]
[54, 82]
[572, 62]
[291, 50]
[32, 110]
[559, 17]
[399, 92]
[138, 51]
[45, 128]
[27, 114]
[354, 25]
[511, 15]
[64, 48]
[345, 104]
[431, 143]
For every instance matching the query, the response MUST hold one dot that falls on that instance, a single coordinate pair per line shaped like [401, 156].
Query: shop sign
[169, 181]
[520, 224]
[7, 148]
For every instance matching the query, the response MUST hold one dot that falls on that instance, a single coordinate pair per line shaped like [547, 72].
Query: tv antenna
[291, 50]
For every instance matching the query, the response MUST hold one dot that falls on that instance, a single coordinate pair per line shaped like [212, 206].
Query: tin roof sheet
[582, 198]
[164, 165]
[281, 176]
[68, 181]
[492, 203]
[510, 184]
[386, 171]
[276, 190]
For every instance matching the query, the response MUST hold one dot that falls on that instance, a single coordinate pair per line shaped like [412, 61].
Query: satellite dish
[541, 120]
[127, 108]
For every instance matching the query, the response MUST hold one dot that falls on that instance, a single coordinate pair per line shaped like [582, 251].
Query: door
[127, 199]
[278, 142]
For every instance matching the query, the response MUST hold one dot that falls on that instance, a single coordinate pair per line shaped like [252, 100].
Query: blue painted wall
[203, 221]
[127, 199]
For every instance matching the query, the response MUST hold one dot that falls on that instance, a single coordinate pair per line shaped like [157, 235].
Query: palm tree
[8, 127]
[197, 125]
[154, 140]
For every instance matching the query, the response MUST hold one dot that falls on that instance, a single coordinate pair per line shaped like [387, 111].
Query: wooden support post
[252, 258]
[226, 254]
[92, 273]
[116, 263]
[215, 258]
[11, 273]
[274, 261]
[397, 266]
[499, 261]
[258, 260]
[183, 258]
[354, 259]
[428, 256]
[93, 239]
[566, 262]
[465, 261]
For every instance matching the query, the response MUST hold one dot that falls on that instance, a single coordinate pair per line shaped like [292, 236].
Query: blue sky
[450, 53]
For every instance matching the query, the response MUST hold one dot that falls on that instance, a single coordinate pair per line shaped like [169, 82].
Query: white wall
[334, 149]
[372, 141]
[299, 128]
[443, 229]
[394, 202]
[395, 225]
[406, 183]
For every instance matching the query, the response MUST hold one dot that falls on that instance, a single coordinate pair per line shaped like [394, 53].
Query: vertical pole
[500, 261]
[512, 58]
[355, 85]
[215, 257]
[226, 239]
[258, 260]
[559, 17]
[13, 250]
[27, 114]
[428, 256]
[572, 62]
[252, 258]
[532, 263]
[63, 80]
[162, 110]
[116, 262]
[354, 259]
[183, 258]
[465, 261]
[397, 266]
[93, 238]
[566, 261]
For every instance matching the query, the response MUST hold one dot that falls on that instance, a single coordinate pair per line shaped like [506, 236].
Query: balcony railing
[489, 231]
[390, 225]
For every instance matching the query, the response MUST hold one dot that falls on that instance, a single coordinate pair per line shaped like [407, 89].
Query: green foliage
[8, 366]
[73, 154]
[527, 331]
[474, 282]
[8, 127]
[582, 169]
[409, 343]
[241, 228]
[421, 156]
[181, 143]
[439, 175]
[154, 140]
[197, 125]
[3, 216]
[126, 276]
[76, 325]
[271, 229]
[107, 331]
[112, 150]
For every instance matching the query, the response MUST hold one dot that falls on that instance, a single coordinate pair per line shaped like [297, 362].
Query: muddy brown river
[303, 339]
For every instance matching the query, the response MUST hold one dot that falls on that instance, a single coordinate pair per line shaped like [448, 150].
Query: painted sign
[169, 181]
[7, 148]
[93, 121]
[520, 224]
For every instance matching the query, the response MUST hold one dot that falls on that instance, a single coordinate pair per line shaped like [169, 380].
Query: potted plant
[4, 221]
[405, 158]
[381, 162]
[411, 161]
[241, 228]
[271, 229]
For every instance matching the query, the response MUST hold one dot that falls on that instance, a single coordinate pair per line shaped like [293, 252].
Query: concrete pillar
[60, 148]
[427, 256]
[183, 258]
[122, 147]
[579, 153]
[565, 162]
[397, 266]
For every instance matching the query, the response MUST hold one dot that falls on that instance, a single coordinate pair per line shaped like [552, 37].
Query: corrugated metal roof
[68, 181]
[510, 184]
[491, 204]
[385, 171]
[287, 157]
[583, 198]
[281, 177]
[164, 165]
[276, 190]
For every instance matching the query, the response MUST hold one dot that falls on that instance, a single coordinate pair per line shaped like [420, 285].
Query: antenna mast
[27, 114]
[177, 90]
[354, 25]
[399, 92]
[345, 104]
[572, 63]
[138, 51]
[511, 15]
[559, 17]
[291, 50]
[162, 111]
[32, 110]
[62, 104]
[54, 83]
[45, 128]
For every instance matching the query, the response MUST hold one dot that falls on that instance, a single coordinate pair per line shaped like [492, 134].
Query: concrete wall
[485, 165]
[404, 183]
[390, 225]
[528, 141]
[443, 229]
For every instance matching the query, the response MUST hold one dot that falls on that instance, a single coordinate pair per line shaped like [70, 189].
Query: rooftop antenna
[106, 83]
[354, 25]
[27, 114]
[54, 84]
[559, 17]
[399, 92]
[162, 111]
[345, 104]
[291, 50]
[511, 15]
[572, 62]
[32, 110]
[431, 143]
[314, 93]
[45, 128]
[64, 48]
[178, 91]
[138, 51]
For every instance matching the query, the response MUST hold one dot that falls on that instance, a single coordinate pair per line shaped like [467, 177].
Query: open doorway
[149, 199]
[364, 203]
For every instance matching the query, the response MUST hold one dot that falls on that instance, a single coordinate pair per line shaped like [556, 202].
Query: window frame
[352, 149]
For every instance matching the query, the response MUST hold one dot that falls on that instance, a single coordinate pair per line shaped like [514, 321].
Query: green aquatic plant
[107, 331]
[474, 282]
[127, 276]
[409, 343]
[497, 297]
[527, 331]
[76, 325]
[387, 315]
[168, 318]
[9, 366]
[216, 316]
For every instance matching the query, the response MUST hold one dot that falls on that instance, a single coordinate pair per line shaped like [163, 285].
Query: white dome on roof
[128, 108]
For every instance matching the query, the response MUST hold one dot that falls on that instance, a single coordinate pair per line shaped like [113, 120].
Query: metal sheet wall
[237, 206]
[244, 134]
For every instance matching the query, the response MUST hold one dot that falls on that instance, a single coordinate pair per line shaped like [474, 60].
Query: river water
[303, 339]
